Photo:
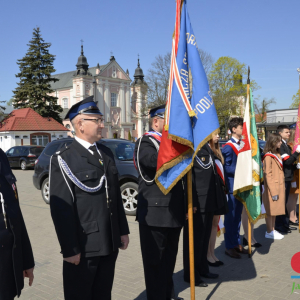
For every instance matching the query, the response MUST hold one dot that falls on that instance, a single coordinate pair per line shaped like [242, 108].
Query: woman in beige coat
[274, 185]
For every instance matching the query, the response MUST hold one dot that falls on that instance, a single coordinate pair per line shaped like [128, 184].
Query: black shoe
[290, 227]
[199, 282]
[294, 223]
[210, 275]
[220, 263]
[215, 264]
[256, 245]
[282, 229]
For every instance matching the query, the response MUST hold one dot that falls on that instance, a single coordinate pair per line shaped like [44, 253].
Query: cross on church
[81, 42]
[111, 53]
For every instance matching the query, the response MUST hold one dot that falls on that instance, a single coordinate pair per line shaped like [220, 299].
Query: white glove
[263, 189]
[298, 149]
[298, 165]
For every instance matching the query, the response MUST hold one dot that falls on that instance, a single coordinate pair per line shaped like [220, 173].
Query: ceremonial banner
[248, 173]
[190, 118]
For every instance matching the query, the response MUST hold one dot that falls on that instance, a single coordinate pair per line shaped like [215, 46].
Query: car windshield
[121, 150]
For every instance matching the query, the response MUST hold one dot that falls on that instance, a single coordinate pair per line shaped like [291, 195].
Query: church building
[120, 101]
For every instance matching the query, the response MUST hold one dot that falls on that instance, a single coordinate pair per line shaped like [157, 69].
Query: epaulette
[62, 150]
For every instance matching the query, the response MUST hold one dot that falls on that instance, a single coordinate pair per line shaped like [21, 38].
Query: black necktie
[96, 154]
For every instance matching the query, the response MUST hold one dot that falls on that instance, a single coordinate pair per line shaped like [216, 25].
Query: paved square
[266, 276]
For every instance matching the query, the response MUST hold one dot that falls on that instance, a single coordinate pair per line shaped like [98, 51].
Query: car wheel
[45, 190]
[23, 165]
[129, 193]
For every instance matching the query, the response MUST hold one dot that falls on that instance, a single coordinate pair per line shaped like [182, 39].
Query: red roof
[258, 117]
[29, 120]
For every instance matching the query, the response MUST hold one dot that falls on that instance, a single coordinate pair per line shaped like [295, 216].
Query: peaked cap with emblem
[86, 106]
[158, 111]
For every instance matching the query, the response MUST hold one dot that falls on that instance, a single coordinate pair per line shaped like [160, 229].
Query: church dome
[138, 74]
[82, 64]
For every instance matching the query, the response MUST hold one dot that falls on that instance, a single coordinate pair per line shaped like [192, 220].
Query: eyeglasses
[97, 120]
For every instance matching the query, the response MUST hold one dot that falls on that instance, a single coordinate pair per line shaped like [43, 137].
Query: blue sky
[261, 33]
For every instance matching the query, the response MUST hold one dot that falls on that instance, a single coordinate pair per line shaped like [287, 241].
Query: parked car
[23, 156]
[123, 153]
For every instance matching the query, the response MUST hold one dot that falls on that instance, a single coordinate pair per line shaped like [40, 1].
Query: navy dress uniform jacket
[154, 208]
[288, 160]
[208, 188]
[15, 247]
[85, 223]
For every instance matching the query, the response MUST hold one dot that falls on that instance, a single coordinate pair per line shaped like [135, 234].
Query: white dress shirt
[87, 145]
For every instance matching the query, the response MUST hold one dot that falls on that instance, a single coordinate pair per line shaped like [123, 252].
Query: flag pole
[249, 223]
[191, 234]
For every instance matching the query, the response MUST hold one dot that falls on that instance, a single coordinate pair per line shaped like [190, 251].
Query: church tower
[139, 89]
[82, 79]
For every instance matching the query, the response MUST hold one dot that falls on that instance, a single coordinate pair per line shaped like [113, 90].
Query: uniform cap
[86, 106]
[158, 111]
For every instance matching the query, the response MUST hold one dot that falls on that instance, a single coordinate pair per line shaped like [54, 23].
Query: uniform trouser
[92, 279]
[7, 279]
[202, 229]
[232, 222]
[159, 247]
[283, 220]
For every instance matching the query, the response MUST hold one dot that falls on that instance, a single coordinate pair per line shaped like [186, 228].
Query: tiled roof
[29, 120]
[66, 79]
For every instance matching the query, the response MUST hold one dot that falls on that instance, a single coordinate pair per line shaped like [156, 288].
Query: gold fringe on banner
[180, 140]
[171, 164]
[221, 231]
[166, 127]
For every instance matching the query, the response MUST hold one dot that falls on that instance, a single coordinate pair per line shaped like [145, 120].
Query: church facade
[118, 99]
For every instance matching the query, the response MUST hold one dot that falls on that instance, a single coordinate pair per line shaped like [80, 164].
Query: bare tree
[158, 77]
[262, 107]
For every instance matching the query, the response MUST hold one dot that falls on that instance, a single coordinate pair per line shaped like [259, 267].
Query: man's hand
[73, 259]
[298, 149]
[125, 242]
[298, 166]
[29, 273]
[194, 210]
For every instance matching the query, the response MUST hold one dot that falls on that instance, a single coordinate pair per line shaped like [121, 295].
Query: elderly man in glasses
[86, 207]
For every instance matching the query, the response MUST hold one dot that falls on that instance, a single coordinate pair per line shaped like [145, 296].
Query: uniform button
[111, 213]
[110, 200]
[156, 203]
[87, 176]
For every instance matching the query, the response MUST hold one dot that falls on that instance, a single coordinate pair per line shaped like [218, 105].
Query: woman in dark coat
[16, 258]
[210, 198]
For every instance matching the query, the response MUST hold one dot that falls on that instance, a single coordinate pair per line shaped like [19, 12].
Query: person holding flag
[190, 119]
[160, 216]
[233, 217]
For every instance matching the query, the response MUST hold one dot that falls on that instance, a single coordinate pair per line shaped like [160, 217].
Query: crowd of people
[91, 226]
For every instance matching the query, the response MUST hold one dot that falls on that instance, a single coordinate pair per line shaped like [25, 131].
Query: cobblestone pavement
[266, 276]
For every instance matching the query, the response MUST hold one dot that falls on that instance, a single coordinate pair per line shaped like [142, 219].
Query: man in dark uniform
[86, 207]
[160, 216]
[16, 258]
[289, 160]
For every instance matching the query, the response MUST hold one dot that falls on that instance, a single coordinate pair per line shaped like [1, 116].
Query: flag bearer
[160, 216]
